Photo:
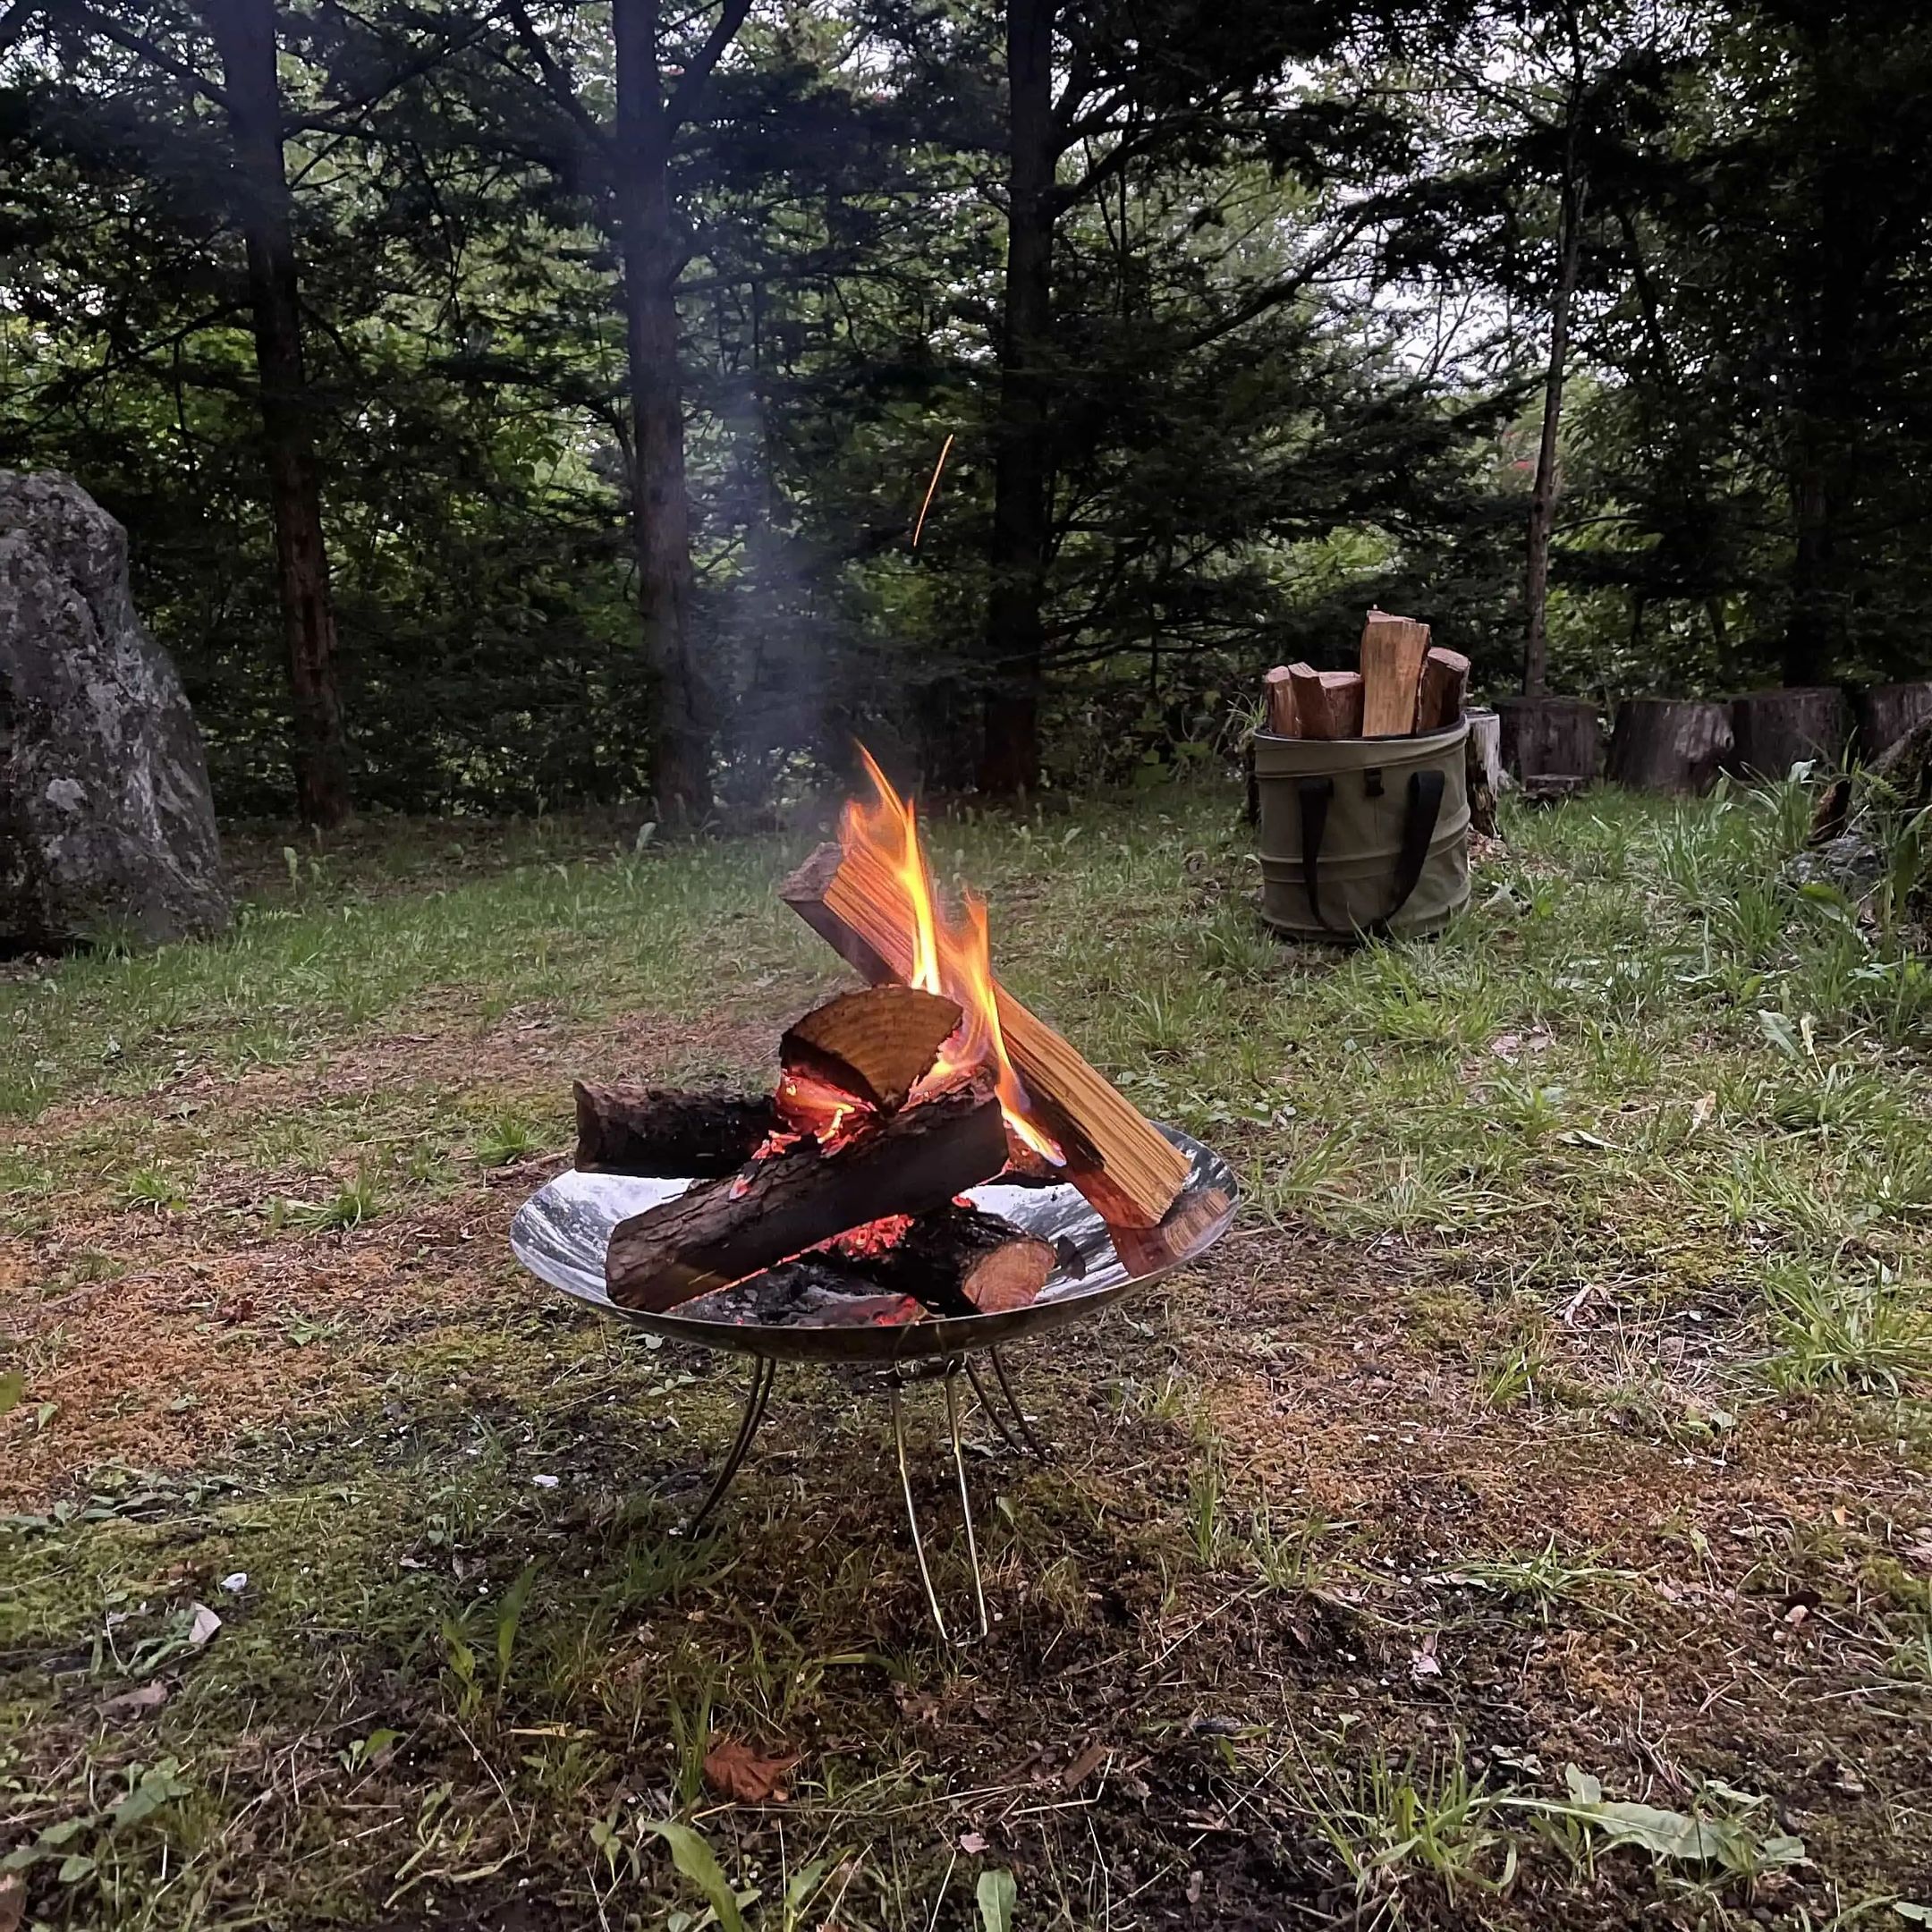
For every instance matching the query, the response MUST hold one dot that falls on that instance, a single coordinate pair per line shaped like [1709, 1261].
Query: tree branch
[684, 96]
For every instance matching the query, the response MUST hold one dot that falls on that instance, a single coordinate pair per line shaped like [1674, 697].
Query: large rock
[106, 827]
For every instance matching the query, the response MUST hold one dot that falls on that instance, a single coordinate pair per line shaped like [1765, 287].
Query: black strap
[1425, 789]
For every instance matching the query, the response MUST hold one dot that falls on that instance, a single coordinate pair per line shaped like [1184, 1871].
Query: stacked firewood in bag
[1404, 686]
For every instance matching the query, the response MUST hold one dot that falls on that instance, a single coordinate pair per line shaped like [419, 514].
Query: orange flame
[951, 957]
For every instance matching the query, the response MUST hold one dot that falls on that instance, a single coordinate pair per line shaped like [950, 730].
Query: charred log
[663, 1132]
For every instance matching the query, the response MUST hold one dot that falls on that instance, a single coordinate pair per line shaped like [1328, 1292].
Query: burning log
[959, 1260]
[1122, 1163]
[660, 1130]
[793, 1199]
[875, 1044]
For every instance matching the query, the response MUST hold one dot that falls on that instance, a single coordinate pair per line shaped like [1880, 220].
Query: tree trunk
[682, 734]
[1015, 624]
[245, 39]
[1543, 497]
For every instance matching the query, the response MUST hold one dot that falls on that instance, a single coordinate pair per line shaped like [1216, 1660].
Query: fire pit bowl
[561, 1232]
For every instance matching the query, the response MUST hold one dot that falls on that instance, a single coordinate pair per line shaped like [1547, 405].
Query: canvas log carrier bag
[1363, 837]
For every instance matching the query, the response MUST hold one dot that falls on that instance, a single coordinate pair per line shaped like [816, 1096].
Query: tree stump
[1772, 730]
[1550, 737]
[1483, 761]
[1888, 712]
[1669, 744]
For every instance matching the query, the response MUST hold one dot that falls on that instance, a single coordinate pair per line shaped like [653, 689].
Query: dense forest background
[513, 403]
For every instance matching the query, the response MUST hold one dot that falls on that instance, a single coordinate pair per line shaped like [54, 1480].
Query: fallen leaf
[972, 1843]
[1423, 1663]
[13, 1901]
[135, 1703]
[1702, 1110]
[206, 1624]
[1084, 1766]
[736, 1771]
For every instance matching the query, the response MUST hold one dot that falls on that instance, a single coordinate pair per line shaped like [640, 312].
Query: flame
[951, 957]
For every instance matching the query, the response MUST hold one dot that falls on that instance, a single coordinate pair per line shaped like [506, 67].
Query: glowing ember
[870, 1237]
[815, 1107]
[948, 957]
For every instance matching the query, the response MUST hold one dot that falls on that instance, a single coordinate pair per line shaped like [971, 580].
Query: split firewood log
[1278, 691]
[663, 1131]
[908, 1162]
[959, 1260]
[1445, 685]
[1328, 703]
[874, 1043]
[1391, 652]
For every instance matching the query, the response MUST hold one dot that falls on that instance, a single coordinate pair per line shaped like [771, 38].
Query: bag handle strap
[1426, 789]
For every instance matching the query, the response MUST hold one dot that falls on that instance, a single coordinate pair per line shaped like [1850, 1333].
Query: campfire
[840, 1196]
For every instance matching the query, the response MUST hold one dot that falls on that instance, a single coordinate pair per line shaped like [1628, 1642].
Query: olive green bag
[1363, 837]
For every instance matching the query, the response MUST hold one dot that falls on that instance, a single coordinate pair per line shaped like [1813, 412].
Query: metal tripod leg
[763, 1373]
[1026, 1429]
[911, 1508]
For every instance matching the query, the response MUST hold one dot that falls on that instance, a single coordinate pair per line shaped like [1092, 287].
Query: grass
[1558, 1402]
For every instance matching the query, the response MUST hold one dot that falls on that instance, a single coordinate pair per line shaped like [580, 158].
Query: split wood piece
[1327, 703]
[1278, 689]
[1119, 1162]
[958, 1261]
[1445, 685]
[873, 1043]
[913, 1160]
[664, 1131]
[1391, 652]
[1148, 1250]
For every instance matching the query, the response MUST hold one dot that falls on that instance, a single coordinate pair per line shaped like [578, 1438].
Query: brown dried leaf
[1084, 1766]
[135, 1703]
[735, 1770]
[13, 1901]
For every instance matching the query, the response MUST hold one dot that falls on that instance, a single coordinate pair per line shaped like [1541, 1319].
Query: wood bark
[1393, 649]
[1482, 754]
[1118, 1160]
[1542, 496]
[1886, 713]
[1669, 744]
[1015, 638]
[722, 1230]
[1772, 730]
[244, 34]
[652, 257]
[1550, 738]
[958, 1261]
[668, 1132]
[1446, 675]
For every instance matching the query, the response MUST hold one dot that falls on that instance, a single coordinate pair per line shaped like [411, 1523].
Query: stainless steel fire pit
[562, 1231]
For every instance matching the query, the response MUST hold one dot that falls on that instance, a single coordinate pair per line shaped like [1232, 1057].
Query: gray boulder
[106, 827]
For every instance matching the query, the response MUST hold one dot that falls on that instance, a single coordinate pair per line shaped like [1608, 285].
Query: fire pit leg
[1026, 1427]
[911, 1508]
[763, 1373]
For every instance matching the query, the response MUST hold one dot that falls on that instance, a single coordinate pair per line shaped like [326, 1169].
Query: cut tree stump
[916, 1159]
[1328, 703]
[1393, 649]
[1669, 744]
[1482, 756]
[874, 1044]
[1550, 737]
[1129, 1170]
[659, 1131]
[1888, 713]
[1772, 730]
[1278, 689]
[1445, 685]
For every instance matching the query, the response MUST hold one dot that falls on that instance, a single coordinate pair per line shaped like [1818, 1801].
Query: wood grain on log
[1328, 703]
[1444, 684]
[1277, 690]
[1118, 1160]
[1391, 652]
[665, 1131]
[874, 1043]
[913, 1160]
